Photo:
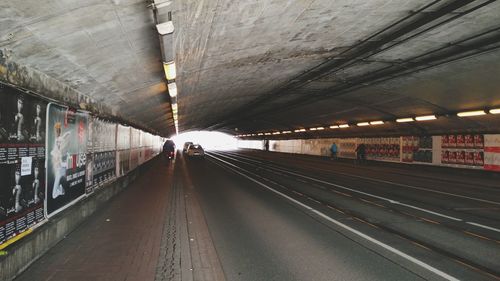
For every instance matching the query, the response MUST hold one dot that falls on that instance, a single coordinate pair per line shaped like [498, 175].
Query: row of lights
[166, 30]
[380, 122]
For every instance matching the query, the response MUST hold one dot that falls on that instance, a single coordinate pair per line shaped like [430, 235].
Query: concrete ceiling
[260, 65]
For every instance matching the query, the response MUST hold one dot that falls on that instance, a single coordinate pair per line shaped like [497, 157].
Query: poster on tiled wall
[101, 152]
[382, 149]
[122, 150]
[22, 162]
[416, 149]
[67, 139]
[463, 150]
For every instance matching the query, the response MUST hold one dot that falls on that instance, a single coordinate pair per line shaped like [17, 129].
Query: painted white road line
[384, 198]
[348, 228]
[374, 196]
[484, 226]
[428, 211]
[415, 187]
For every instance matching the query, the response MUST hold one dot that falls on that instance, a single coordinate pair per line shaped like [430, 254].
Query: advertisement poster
[123, 150]
[22, 162]
[103, 167]
[347, 148]
[464, 151]
[101, 155]
[66, 149]
[384, 149]
[135, 144]
[417, 149]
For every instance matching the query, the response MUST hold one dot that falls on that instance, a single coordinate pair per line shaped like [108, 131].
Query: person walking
[361, 153]
[334, 150]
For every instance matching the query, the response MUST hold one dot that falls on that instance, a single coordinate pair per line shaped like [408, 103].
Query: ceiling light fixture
[471, 113]
[426, 118]
[362, 124]
[312, 129]
[404, 120]
[172, 89]
[159, 5]
[344, 126]
[170, 72]
[376, 122]
[495, 111]
[165, 28]
[334, 126]
[320, 128]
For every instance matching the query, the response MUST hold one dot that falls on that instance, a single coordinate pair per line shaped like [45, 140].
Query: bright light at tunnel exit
[207, 139]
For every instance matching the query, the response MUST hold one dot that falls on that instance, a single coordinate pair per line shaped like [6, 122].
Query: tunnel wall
[58, 165]
[470, 151]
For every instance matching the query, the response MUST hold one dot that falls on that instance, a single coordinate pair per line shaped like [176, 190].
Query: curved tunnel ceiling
[271, 64]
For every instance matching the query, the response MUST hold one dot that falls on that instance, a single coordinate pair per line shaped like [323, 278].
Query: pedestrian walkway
[142, 235]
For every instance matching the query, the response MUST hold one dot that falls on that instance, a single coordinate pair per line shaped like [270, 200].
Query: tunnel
[169, 140]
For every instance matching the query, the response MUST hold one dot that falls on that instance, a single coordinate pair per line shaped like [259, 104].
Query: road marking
[376, 196]
[483, 226]
[393, 201]
[409, 186]
[362, 235]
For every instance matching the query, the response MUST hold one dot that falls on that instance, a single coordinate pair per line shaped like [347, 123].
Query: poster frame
[74, 201]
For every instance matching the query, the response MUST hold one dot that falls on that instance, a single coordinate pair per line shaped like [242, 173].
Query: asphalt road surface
[286, 217]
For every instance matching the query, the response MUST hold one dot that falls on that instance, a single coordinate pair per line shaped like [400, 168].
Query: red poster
[478, 158]
[460, 157]
[469, 158]
[478, 141]
[452, 141]
[452, 157]
[460, 141]
[445, 156]
[444, 141]
[469, 141]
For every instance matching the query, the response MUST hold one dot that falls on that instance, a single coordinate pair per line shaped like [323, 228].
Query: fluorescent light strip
[344, 126]
[405, 120]
[426, 118]
[320, 128]
[334, 126]
[162, 4]
[165, 28]
[471, 113]
[362, 124]
[172, 89]
[170, 72]
[286, 132]
[495, 111]
[312, 129]
[376, 122]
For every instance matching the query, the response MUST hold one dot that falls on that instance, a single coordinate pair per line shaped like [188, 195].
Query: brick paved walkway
[120, 242]
[154, 230]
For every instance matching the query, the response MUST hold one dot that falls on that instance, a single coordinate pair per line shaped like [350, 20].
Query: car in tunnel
[195, 150]
[186, 146]
[169, 149]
